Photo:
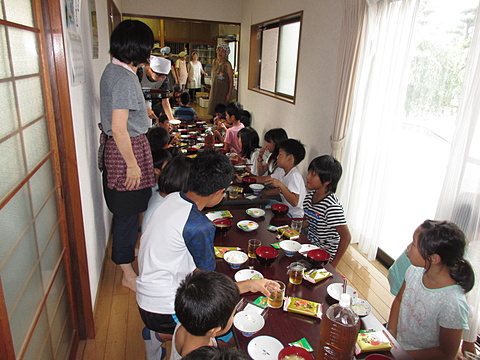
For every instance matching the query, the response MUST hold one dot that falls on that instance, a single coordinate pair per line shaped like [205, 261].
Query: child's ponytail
[462, 272]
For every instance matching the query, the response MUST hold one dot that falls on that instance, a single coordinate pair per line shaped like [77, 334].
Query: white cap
[160, 65]
[345, 300]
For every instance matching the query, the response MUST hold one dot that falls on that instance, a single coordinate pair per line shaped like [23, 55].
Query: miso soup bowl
[318, 258]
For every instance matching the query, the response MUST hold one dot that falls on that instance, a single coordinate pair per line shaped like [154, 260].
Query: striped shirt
[322, 218]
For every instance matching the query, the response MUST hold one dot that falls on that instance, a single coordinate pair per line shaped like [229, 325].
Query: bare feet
[129, 277]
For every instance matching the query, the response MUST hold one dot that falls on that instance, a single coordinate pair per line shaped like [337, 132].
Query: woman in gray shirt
[124, 155]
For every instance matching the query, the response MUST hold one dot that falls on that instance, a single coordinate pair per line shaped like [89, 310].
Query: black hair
[234, 109]
[205, 300]
[328, 169]
[160, 156]
[219, 108]
[211, 171]
[158, 109]
[175, 151]
[276, 135]
[162, 118]
[216, 353]
[246, 118]
[132, 42]
[295, 148]
[250, 141]
[174, 176]
[158, 137]
[185, 98]
[445, 239]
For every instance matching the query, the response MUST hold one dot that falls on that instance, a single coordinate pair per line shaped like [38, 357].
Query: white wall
[84, 100]
[310, 119]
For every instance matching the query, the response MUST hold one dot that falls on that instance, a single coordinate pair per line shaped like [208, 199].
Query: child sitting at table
[184, 111]
[273, 137]
[171, 178]
[430, 311]
[249, 145]
[205, 304]
[289, 182]
[234, 111]
[327, 227]
[177, 240]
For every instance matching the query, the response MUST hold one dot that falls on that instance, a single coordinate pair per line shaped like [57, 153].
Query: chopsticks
[322, 248]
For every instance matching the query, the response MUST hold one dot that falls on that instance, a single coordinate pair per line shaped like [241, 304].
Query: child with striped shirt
[327, 227]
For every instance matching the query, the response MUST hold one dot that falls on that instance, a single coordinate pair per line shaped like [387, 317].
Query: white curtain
[460, 198]
[354, 14]
[377, 112]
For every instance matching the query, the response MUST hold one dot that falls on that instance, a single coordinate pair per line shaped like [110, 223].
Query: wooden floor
[118, 324]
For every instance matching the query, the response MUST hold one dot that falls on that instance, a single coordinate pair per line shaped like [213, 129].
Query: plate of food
[335, 289]
[247, 225]
[361, 307]
[247, 274]
[175, 122]
[264, 348]
[255, 212]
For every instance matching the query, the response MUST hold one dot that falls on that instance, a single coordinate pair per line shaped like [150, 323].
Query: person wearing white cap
[181, 71]
[153, 76]
[222, 79]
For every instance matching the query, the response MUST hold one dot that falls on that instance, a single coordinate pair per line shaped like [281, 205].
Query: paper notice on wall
[77, 64]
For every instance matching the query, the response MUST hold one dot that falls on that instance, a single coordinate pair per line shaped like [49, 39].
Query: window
[274, 49]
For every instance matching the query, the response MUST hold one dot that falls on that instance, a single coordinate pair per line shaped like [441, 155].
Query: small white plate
[255, 212]
[306, 248]
[264, 348]
[247, 274]
[247, 225]
[335, 289]
[175, 122]
[361, 307]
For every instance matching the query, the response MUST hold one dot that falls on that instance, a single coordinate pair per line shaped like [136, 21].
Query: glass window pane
[21, 320]
[41, 185]
[268, 66]
[60, 320]
[12, 165]
[11, 223]
[46, 222]
[287, 58]
[64, 343]
[56, 291]
[19, 11]
[36, 143]
[30, 99]
[23, 45]
[4, 61]
[50, 258]
[16, 271]
[8, 109]
[40, 342]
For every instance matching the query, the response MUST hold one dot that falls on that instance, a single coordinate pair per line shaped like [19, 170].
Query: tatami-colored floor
[118, 324]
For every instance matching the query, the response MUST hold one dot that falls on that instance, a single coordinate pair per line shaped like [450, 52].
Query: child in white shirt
[289, 184]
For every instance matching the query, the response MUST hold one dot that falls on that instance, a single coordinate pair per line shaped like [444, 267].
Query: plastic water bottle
[338, 331]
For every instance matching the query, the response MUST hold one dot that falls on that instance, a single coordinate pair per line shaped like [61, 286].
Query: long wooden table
[285, 326]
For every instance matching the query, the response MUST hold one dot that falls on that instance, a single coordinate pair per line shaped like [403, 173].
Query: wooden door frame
[78, 265]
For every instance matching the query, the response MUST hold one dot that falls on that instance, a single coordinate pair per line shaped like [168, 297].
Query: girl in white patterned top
[430, 312]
